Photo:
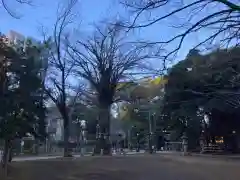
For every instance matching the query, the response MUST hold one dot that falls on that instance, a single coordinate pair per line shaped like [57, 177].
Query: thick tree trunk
[10, 155]
[103, 141]
[105, 130]
[67, 152]
[66, 143]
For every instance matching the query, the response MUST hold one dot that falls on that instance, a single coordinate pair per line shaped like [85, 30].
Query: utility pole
[129, 138]
[150, 121]
[150, 132]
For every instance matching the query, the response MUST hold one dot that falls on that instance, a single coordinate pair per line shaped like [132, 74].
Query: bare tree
[104, 60]
[10, 10]
[59, 77]
[220, 17]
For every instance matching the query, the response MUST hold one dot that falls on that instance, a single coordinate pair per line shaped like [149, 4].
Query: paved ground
[52, 156]
[134, 167]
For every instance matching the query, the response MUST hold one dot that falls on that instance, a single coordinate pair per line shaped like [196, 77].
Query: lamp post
[138, 143]
[202, 142]
[129, 138]
[97, 148]
[152, 130]
[150, 121]
[97, 131]
[150, 143]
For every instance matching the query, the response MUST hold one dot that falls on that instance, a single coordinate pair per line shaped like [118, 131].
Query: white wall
[54, 121]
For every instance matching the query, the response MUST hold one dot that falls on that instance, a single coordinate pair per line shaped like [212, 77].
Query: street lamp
[138, 143]
[151, 120]
[150, 143]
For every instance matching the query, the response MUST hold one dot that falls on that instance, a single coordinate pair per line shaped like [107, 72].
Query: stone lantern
[202, 142]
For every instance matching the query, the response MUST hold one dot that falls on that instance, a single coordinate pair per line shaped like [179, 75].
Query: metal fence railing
[173, 146]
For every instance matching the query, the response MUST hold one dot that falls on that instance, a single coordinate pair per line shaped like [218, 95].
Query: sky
[43, 13]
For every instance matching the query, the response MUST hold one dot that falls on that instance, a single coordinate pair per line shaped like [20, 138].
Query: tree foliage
[207, 82]
[24, 100]
[23, 113]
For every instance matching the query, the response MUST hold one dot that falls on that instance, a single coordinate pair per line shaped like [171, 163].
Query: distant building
[15, 37]
[54, 124]
[19, 39]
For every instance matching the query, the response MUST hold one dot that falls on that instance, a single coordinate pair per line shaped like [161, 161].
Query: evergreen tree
[21, 94]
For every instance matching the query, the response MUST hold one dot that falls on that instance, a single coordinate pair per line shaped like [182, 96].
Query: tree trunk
[10, 154]
[67, 152]
[66, 143]
[105, 130]
[103, 142]
[6, 158]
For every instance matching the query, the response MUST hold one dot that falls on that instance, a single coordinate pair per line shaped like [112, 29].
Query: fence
[173, 146]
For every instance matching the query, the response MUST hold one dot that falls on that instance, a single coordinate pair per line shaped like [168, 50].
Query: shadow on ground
[120, 168]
